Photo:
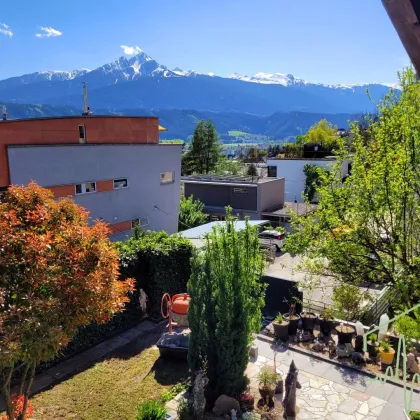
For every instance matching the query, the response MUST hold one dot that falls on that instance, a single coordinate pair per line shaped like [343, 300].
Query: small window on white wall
[120, 183]
[140, 222]
[85, 188]
[167, 177]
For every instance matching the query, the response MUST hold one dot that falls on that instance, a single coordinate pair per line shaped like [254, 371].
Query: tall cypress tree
[227, 296]
[204, 150]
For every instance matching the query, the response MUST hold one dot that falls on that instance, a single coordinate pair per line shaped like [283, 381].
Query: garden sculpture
[412, 365]
[289, 402]
[199, 400]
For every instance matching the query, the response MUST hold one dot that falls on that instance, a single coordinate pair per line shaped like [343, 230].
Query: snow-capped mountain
[270, 79]
[141, 82]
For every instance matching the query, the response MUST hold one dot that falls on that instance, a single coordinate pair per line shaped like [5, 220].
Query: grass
[113, 388]
[237, 133]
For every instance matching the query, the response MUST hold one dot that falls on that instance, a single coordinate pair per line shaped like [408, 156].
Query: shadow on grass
[170, 371]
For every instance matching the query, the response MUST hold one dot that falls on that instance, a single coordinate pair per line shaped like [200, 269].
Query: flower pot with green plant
[308, 320]
[372, 345]
[326, 321]
[267, 384]
[246, 402]
[281, 328]
[345, 333]
[386, 353]
[293, 319]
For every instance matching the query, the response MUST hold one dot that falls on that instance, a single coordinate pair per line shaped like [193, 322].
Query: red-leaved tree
[57, 273]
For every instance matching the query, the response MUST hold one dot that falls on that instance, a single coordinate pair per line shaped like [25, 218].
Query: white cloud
[48, 32]
[131, 50]
[5, 30]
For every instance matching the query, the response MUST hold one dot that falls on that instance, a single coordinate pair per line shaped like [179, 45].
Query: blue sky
[328, 41]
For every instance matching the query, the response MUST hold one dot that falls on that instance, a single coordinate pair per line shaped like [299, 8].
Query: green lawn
[112, 389]
[237, 133]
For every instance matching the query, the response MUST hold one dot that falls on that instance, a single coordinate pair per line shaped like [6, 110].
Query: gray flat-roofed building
[248, 196]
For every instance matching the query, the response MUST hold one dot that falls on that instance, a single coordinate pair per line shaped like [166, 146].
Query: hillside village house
[112, 166]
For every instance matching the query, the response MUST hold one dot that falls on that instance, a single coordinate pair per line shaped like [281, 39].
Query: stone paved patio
[328, 392]
[320, 398]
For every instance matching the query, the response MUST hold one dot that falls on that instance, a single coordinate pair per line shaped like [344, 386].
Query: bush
[227, 295]
[151, 410]
[415, 415]
[160, 264]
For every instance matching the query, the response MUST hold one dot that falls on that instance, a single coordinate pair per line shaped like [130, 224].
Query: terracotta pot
[267, 392]
[308, 320]
[387, 357]
[345, 334]
[281, 331]
[326, 326]
[293, 323]
[372, 349]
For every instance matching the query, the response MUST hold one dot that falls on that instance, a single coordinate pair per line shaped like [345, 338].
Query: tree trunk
[23, 379]
[7, 375]
[26, 394]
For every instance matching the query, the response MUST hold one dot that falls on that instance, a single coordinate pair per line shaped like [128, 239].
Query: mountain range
[140, 84]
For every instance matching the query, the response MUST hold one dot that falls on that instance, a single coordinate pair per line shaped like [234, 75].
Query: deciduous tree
[57, 273]
[367, 227]
[191, 213]
[322, 132]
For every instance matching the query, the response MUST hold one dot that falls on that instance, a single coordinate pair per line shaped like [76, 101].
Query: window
[272, 171]
[87, 187]
[140, 222]
[240, 191]
[120, 183]
[167, 177]
[82, 134]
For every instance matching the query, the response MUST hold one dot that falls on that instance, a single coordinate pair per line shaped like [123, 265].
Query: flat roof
[288, 207]
[199, 232]
[227, 179]
[70, 117]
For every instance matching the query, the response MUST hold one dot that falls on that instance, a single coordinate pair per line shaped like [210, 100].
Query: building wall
[144, 130]
[223, 195]
[54, 166]
[292, 171]
[271, 194]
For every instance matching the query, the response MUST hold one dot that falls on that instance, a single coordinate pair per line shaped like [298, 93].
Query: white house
[292, 170]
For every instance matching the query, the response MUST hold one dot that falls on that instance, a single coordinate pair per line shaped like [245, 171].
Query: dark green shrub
[415, 415]
[151, 410]
[160, 263]
[227, 296]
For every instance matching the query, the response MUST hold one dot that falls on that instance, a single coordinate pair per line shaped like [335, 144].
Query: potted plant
[281, 328]
[246, 402]
[345, 333]
[372, 345]
[326, 323]
[308, 320]
[414, 415]
[386, 353]
[267, 385]
[293, 319]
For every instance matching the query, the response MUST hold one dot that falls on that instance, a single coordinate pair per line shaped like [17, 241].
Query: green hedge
[160, 264]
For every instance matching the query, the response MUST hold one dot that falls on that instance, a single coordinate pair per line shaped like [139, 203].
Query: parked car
[272, 237]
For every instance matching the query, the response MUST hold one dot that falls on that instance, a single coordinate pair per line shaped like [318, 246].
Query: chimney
[4, 113]
[86, 109]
